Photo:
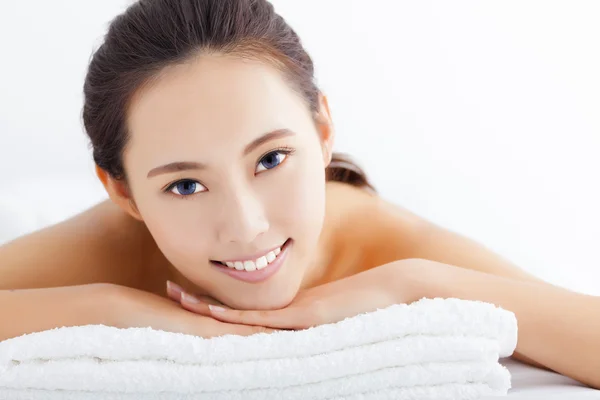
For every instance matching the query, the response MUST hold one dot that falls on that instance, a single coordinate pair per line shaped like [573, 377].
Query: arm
[101, 244]
[35, 310]
[53, 277]
[88, 270]
[438, 244]
[558, 328]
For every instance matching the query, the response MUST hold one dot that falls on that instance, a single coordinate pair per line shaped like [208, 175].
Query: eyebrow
[193, 165]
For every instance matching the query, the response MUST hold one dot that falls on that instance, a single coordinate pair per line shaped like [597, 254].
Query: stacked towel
[430, 349]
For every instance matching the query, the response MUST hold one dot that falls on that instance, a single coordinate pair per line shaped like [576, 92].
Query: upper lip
[252, 257]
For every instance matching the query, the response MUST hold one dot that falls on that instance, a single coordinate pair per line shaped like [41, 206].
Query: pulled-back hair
[153, 34]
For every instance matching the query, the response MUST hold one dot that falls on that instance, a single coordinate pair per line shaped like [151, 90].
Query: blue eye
[272, 159]
[186, 188]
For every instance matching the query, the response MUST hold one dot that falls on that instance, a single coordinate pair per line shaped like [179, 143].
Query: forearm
[557, 328]
[34, 310]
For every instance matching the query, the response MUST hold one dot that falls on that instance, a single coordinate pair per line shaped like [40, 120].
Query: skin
[212, 110]
[208, 111]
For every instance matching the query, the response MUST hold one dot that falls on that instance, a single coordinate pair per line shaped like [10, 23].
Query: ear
[119, 193]
[325, 127]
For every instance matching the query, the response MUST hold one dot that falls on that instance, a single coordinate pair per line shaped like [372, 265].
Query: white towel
[433, 348]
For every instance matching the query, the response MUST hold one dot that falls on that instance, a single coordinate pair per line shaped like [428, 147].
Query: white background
[480, 116]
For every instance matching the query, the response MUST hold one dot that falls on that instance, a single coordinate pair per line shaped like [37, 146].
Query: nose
[243, 217]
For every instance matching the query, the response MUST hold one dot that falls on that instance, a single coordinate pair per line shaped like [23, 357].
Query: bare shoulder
[388, 232]
[385, 231]
[101, 244]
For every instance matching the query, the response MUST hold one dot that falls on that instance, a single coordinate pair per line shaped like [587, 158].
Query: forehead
[211, 98]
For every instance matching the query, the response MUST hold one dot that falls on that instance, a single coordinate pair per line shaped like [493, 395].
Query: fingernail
[216, 308]
[174, 288]
[188, 298]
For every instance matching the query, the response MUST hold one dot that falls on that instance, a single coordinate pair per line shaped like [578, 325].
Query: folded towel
[433, 348]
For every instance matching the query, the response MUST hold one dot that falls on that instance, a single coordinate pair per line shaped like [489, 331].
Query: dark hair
[153, 34]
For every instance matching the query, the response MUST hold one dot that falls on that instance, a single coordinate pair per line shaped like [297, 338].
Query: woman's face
[226, 164]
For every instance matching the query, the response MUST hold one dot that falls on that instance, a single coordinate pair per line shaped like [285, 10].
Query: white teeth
[249, 266]
[260, 263]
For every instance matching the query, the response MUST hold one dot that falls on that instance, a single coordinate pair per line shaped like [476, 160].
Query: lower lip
[260, 275]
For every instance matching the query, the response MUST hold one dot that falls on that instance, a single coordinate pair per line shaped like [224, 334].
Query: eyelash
[282, 150]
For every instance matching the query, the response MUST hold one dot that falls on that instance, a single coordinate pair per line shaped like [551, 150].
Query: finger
[207, 327]
[198, 303]
[195, 304]
[284, 318]
[209, 300]
[174, 291]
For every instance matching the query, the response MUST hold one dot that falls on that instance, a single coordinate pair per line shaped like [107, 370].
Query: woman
[215, 147]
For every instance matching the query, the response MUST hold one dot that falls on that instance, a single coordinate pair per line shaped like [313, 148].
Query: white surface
[528, 383]
[55, 199]
[531, 383]
[482, 116]
[443, 348]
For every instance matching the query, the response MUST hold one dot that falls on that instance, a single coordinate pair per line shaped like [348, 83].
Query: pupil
[270, 160]
[186, 187]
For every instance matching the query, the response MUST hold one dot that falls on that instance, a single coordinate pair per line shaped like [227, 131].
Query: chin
[261, 304]
[263, 301]
[275, 294]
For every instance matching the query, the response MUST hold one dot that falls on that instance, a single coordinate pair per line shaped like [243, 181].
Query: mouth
[257, 270]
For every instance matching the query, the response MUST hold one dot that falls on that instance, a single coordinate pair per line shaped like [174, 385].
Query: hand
[367, 291]
[176, 293]
[128, 308]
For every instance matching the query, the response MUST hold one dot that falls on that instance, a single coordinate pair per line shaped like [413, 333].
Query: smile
[256, 269]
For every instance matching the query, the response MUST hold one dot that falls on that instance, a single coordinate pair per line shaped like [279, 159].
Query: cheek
[179, 233]
[297, 204]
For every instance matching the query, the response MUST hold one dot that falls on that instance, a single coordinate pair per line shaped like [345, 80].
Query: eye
[272, 159]
[185, 188]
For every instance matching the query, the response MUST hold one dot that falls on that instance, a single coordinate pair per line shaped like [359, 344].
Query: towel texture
[431, 349]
